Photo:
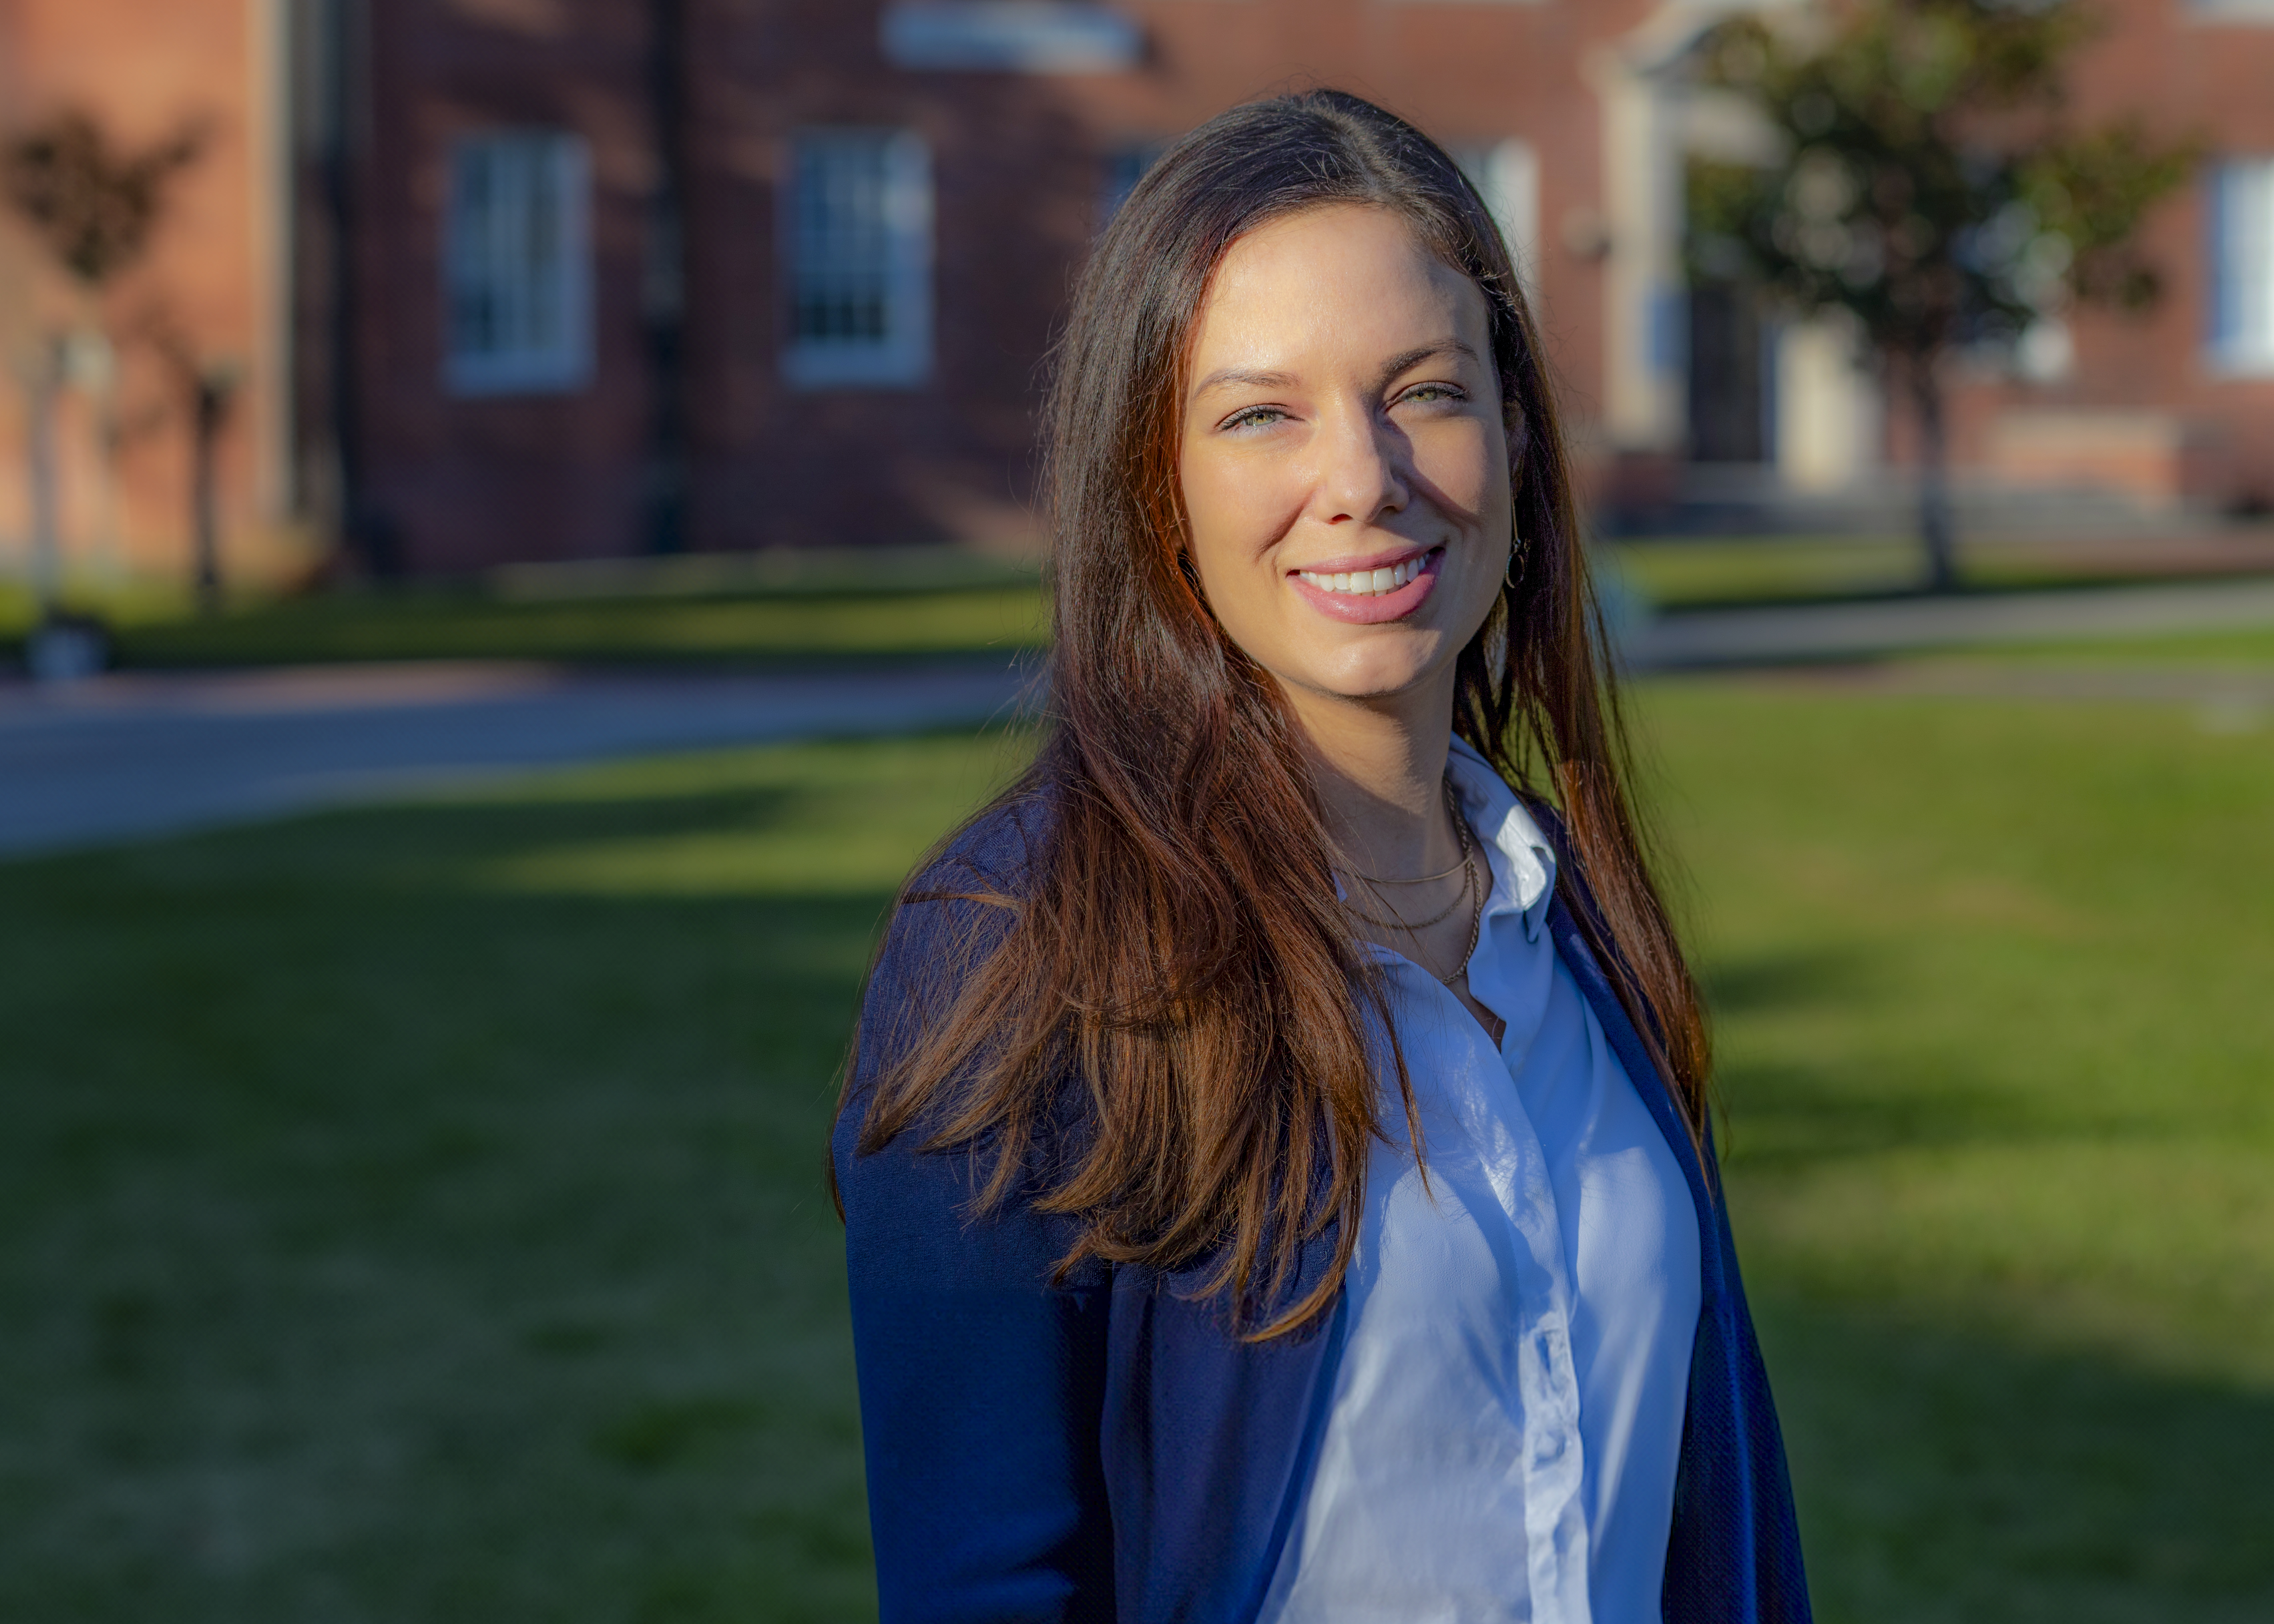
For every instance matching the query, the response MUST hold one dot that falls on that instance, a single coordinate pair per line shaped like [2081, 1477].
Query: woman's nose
[1361, 471]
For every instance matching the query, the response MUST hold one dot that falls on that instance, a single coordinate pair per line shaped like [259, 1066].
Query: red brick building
[567, 278]
[2179, 404]
[214, 292]
[878, 210]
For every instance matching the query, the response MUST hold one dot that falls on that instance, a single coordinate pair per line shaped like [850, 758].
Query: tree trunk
[210, 409]
[664, 284]
[1938, 529]
[41, 475]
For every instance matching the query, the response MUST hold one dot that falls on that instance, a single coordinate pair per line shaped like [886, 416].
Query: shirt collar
[1522, 860]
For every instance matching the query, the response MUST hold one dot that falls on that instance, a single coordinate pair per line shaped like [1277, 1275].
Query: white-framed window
[1506, 175]
[858, 244]
[1009, 36]
[2259, 12]
[516, 259]
[2243, 265]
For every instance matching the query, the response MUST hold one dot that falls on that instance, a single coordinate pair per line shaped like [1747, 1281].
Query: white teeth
[1367, 582]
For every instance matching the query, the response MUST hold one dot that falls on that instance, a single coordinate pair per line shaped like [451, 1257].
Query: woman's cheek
[1461, 466]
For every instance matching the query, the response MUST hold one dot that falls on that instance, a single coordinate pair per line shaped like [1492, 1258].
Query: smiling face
[1345, 460]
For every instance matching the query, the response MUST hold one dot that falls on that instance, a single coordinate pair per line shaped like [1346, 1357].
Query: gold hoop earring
[1514, 553]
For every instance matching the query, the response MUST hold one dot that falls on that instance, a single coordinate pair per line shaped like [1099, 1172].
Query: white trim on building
[1506, 174]
[1009, 36]
[2241, 262]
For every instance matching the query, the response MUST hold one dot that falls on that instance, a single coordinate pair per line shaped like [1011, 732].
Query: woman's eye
[1254, 417]
[1431, 394]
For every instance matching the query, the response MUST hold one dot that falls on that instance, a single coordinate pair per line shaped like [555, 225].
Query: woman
[1275, 1159]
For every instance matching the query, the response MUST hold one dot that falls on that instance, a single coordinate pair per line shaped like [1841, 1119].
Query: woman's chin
[1378, 673]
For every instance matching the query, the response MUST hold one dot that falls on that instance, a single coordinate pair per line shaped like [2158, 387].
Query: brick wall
[144, 69]
[452, 482]
[1018, 165]
[2147, 380]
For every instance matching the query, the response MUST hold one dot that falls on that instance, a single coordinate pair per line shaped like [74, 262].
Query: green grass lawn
[2242, 648]
[1702, 572]
[1991, 981]
[415, 1212]
[739, 628]
[805, 608]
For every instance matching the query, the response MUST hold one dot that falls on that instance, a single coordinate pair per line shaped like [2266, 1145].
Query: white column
[1510, 184]
[1828, 408]
[1643, 307]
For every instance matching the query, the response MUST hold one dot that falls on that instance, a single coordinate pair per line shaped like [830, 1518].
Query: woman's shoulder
[995, 853]
[956, 906]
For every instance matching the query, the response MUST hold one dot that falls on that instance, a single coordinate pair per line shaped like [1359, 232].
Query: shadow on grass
[375, 1244]
[1949, 1477]
[1785, 1113]
[1782, 981]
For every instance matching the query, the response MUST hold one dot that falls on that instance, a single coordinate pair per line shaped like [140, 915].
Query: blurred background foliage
[1922, 175]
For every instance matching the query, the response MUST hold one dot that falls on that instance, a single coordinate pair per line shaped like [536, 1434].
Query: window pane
[517, 292]
[859, 250]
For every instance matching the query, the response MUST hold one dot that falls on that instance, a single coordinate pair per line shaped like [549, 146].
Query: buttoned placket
[1552, 1464]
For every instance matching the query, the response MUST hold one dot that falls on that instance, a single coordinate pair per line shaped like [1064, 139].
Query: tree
[94, 206]
[1928, 181]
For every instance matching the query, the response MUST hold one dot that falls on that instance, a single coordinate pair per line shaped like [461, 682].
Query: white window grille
[859, 244]
[518, 302]
[2243, 266]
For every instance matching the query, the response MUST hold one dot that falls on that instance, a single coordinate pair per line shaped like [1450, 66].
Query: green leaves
[1929, 183]
[94, 203]
[2094, 189]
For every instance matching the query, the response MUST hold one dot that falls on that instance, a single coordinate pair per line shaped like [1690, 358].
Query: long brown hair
[1174, 972]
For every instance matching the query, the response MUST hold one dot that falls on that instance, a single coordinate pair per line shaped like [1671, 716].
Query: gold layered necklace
[1472, 892]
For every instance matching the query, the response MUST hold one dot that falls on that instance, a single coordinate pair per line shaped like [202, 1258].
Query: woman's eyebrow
[1224, 376]
[1397, 363]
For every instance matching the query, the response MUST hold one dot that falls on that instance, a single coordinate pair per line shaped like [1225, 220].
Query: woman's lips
[1373, 608]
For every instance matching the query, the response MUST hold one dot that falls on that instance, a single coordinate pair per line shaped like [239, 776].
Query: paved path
[131, 755]
[1847, 631]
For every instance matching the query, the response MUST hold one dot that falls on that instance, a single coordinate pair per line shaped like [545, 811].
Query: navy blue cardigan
[1104, 1448]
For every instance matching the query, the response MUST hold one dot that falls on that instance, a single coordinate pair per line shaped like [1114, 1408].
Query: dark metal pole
[360, 531]
[213, 392]
[663, 301]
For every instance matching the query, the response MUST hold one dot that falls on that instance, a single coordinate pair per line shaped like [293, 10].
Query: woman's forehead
[1342, 280]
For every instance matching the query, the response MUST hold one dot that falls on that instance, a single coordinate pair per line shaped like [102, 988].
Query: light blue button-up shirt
[1506, 1418]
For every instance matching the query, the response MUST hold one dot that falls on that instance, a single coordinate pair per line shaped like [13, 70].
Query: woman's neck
[1380, 768]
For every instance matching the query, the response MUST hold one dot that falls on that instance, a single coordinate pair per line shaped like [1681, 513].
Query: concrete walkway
[1904, 625]
[126, 757]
